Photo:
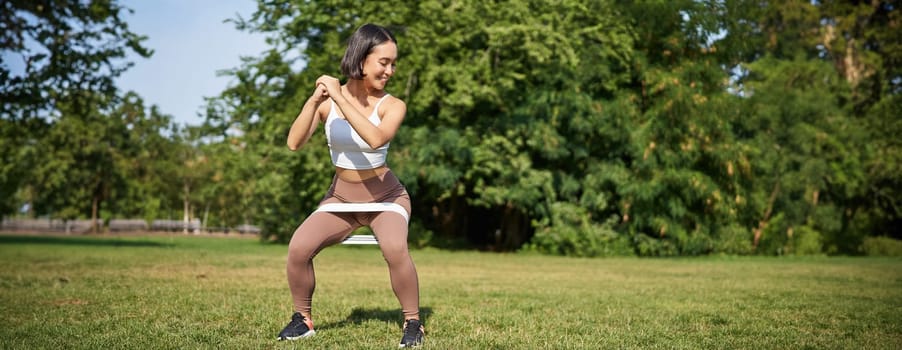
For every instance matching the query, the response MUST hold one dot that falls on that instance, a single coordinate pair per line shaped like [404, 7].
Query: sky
[191, 43]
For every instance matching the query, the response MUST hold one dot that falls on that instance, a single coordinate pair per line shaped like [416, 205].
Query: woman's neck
[359, 90]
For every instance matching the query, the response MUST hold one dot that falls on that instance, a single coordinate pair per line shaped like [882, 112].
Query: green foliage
[111, 160]
[146, 160]
[62, 143]
[806, 241]
[804, 146]
[572, 232]
[733, 240]
[881, 246]
[881, 199]
[79, 171]
[65, 46]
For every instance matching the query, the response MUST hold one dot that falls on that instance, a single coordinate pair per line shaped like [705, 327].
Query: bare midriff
[355, 175]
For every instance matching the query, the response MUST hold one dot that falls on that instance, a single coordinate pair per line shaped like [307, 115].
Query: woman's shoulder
[390, 102]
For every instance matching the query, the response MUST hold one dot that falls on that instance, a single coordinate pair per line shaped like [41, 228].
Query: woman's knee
[301, 250]
[298, 255]
[395, 253]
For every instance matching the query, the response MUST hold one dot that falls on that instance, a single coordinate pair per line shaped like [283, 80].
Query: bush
[734, 240]
[881, 246]
[419, 236]
[694, 243]
[650, 246]
[805, 241]
[571, 233]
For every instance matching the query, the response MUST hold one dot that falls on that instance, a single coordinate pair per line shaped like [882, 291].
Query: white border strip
[363, 208]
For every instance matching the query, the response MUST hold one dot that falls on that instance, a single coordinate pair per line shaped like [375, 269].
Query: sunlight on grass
[176, 292]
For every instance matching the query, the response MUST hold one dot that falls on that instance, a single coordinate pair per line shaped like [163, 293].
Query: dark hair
[359, 46]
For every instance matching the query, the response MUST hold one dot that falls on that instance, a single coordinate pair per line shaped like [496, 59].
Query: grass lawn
[183, 292]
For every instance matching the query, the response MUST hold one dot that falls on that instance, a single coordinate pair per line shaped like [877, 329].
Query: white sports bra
[348, 149]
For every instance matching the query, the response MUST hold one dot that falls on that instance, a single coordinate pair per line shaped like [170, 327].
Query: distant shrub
[806, 241]
[734, 240]
[571, 233]
[881, 246]
[650, 246]
[419, 236]
[779, 238]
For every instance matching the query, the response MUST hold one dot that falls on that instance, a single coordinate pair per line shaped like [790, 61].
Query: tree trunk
[770, 207]
[514, 229]
[203, 224]
[186, 208]
[95, 206]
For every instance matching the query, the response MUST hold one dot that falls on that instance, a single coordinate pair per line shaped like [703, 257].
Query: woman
[360, 120]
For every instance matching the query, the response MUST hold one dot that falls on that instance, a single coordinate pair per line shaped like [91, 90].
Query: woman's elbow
[377, 143]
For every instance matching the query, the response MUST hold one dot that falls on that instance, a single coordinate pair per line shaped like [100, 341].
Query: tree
[71, 52]
[804, 166]
[147, 158]
[63, 46]
[675, 183]
[76, 161]
[848, 52]
[597, 128]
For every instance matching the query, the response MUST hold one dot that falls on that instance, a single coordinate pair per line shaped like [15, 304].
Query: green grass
[177, 292]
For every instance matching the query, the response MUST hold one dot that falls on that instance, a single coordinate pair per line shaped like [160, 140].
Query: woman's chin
[380, 84]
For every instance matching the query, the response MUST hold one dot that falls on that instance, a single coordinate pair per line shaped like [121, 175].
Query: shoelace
[411, 329]
[297, 320]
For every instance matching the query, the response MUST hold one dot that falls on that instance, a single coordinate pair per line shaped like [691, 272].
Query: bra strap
[376, 109]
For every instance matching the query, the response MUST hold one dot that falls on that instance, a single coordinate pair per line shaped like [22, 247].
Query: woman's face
[379, 65]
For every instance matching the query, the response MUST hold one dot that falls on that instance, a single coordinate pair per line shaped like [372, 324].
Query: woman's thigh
[322, 229]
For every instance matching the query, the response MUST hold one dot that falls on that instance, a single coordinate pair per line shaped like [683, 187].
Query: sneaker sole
[309, 333]
[413, 346]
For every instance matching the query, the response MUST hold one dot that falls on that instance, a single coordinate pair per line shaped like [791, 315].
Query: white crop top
[347, 148]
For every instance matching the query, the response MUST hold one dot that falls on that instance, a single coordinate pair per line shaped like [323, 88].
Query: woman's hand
[305, 123]
[320, 94]
[331, 85]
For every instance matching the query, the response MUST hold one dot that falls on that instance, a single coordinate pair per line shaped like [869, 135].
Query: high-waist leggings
[322, 229]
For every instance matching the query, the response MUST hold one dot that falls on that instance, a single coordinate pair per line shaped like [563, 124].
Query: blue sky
[191, 43]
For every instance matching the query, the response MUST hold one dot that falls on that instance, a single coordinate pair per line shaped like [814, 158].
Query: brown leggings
[322, 229]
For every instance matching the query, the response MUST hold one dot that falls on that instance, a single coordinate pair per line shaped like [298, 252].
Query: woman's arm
[375, 136]
[305, 123]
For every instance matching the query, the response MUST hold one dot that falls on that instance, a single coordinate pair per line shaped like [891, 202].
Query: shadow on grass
[360, 315]
[85, 241]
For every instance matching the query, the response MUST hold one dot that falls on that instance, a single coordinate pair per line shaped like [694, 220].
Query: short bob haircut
[360, 45]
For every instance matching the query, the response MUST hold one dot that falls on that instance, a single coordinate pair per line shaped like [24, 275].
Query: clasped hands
[327, 86]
